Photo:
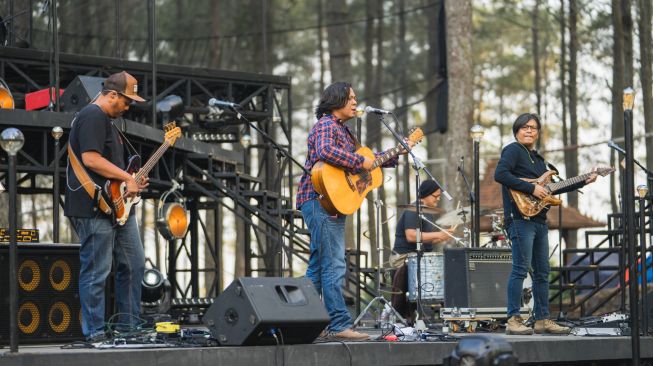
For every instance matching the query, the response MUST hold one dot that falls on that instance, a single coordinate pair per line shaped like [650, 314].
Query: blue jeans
[326, 266]
[530, 247]
[100, 243]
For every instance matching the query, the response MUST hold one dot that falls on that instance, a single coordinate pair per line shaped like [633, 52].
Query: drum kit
[429, 285]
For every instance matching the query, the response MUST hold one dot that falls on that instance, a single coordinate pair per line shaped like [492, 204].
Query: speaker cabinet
[80, 92]
[476, 277]
[48, 296]
[251, 310]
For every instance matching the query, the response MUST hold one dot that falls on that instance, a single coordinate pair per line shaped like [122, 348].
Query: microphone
[616, 147]
[461, 165]
[222, 104]
[369, 109]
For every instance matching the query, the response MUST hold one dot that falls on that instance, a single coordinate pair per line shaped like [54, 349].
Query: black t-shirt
[408, 220]
[91, 130]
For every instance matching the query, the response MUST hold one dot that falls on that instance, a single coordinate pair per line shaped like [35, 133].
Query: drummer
[405, 243]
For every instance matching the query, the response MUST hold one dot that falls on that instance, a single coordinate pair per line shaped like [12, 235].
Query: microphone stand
[280, 152]
[472, 199]
[418, 166]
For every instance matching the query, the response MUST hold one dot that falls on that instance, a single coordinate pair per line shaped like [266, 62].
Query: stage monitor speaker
[80, 92]
[476, 277]
[48, 296]
[251, 311]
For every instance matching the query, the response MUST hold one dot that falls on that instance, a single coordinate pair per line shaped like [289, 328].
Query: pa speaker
[476, 277]
[267, 311]
[48, 296]
[80, 92]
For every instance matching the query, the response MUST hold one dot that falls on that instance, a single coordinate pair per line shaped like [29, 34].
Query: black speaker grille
[48, 307]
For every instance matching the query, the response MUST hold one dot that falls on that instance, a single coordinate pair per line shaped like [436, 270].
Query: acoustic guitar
[115, 189]
[341, 191]
[530, 205]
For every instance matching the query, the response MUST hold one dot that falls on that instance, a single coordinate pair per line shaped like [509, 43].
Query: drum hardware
[455, 217]
[456, 239]
[384, 304]
[426, 210]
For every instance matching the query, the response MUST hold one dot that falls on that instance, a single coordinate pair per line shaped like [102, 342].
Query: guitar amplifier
[476, 277]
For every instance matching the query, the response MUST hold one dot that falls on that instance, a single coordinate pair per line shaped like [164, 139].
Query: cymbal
[424, 209]
[454, 217]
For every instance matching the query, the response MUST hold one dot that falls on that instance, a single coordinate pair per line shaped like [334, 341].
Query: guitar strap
[353, 137]
[129, 148]
[94, 191]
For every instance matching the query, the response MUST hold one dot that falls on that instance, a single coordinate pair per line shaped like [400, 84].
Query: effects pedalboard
[468, 319]
[614, 324]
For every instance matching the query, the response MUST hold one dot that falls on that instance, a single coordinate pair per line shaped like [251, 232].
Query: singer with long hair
[332, 142]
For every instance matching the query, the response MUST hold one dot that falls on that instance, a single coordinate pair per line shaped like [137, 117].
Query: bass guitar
[530, 205]
[341, 191]
[115, 189]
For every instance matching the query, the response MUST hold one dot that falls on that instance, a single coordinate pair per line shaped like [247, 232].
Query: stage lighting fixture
[170, 108]
[172, 219]
[482, 350]
[6, 99]
[152, 285]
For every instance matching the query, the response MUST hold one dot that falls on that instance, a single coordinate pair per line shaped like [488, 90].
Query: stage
[536, 349]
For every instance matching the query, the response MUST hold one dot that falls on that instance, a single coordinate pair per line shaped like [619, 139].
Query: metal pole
[629, 213]
[152, 31]
[13, 258]
[642, 243]
[55, 43]
[477, 200]
[56, 133]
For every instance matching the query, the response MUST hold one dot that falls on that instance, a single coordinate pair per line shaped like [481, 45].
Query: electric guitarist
[96, 153]
[528, 234]
[331, 142]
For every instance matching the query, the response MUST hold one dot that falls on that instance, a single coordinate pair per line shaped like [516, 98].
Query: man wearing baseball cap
[98, 147]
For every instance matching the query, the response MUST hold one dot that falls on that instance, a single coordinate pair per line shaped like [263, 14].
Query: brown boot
[548, 326]
[351, 335]
[516, 326]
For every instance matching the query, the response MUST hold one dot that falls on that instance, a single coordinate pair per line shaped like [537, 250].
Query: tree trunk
[373, 127]
[536, 58]
[320, 40]
[617, 93]
[338, 37]
[460, 76]
[340, 66]
[645, 72]
[572, 168]
[403, 186]
[380, 85]
[563, 82]
[626, 15]
[436, 71]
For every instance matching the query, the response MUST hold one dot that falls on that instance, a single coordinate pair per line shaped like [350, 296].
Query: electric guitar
[341, 191]
[530, 205]
[115, 189]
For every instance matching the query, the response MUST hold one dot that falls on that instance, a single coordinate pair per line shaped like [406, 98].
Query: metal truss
[257, 191]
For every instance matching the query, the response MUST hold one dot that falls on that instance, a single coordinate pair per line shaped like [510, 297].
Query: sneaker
[516, 326]
[351, 335]
[548, 326]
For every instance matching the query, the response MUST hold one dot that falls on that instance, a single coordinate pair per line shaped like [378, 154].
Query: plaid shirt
[330, 141]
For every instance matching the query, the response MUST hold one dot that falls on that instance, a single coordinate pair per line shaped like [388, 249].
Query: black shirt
[518, 162]
[408, 220]
[91, 130]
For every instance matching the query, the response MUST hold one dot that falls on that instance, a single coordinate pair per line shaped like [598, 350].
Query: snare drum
[431, 276]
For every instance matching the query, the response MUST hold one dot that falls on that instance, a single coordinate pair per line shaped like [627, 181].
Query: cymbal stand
[455, 238]
[379, 298]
